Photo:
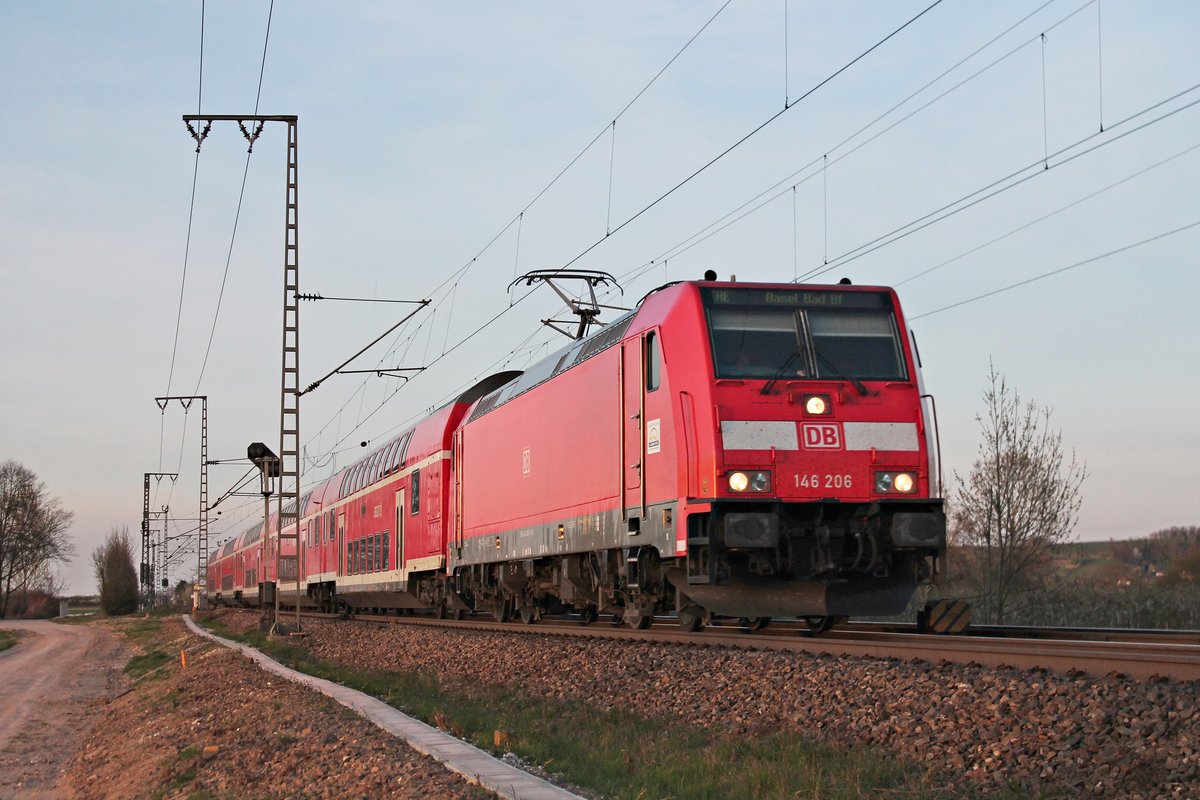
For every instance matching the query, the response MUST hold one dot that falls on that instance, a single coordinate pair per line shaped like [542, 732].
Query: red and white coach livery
[743, 450]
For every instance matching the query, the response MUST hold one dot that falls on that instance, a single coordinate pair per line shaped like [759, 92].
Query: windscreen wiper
[862, 389]
[769, 385]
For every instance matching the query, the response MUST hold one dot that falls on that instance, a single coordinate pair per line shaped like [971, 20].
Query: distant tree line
[1171, 554]
[1151, 583]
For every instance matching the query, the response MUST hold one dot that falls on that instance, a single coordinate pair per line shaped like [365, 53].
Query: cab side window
[653, 362]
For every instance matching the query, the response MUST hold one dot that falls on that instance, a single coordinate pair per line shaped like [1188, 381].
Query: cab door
[631, 369]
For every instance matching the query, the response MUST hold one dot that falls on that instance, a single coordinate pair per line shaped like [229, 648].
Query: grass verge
[146, 662]
[620, 755]
[7, 640]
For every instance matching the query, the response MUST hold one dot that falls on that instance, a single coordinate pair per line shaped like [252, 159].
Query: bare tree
[115, 574]
[1021, 499]
[33, 531]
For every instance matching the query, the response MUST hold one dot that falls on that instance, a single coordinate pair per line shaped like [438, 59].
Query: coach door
[341, 544]
[400, 532]
[302, 552]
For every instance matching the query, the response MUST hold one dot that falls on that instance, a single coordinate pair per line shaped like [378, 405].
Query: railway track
[1094, 651]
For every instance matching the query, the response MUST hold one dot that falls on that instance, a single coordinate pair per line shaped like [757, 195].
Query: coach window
[386, 464]
[402, 456]
[653, 362]
[384, 550]
[416, 492]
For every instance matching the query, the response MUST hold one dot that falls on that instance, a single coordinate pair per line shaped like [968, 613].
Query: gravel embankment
[982, 728]
[226, 728]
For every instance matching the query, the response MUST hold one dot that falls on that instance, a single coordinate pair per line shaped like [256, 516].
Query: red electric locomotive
[741, 450]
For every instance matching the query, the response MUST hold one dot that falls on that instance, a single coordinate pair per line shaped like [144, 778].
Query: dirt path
[49, 685]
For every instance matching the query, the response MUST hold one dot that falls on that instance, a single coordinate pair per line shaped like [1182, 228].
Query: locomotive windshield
[773, 334]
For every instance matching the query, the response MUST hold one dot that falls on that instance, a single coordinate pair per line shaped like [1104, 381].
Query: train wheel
[691, 618]
[817, 625]
[637, 618]
[502, 609]
[588, 615]
[753, 624]
[529, 614]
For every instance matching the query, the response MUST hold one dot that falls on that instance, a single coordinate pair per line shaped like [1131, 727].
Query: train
[724, 450]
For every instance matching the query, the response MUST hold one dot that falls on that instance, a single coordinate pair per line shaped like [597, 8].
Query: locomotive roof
[393, 454]
[609, 335]
[547, 368]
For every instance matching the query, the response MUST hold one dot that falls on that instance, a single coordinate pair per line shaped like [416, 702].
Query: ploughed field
[976, 729]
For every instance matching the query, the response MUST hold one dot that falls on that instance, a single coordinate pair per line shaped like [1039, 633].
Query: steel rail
[1137, 656]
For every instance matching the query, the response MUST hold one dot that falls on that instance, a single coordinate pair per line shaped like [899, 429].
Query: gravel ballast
[981, 728]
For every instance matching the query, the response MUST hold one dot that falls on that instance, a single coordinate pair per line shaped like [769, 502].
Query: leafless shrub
[115, 573]
[1021, 499]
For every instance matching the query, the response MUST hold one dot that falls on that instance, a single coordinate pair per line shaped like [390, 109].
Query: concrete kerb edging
[458, 756]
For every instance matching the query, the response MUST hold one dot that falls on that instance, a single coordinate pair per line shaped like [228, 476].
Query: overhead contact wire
[1061, 270]
[187, 243]
[599, 135]
[232, 239]
[686, 180]
[1002, 185]
[458, 274]
[238, 213]
[1049, 215]
[757, 129]
[712, 228]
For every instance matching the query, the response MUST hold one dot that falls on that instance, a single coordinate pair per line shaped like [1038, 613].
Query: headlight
[817, 405]
[758, 481]
[895, 482]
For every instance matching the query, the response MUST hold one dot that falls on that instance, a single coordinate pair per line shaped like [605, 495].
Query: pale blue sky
[426, 128]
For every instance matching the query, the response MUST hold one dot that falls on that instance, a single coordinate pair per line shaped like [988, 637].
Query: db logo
[821, 435]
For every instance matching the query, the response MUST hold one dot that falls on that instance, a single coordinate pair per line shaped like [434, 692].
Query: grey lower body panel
[761, 596]
[384, 594]
[587, 533]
